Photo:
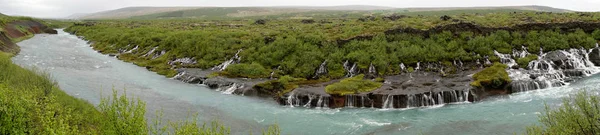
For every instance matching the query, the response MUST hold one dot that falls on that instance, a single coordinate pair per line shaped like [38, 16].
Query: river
[82, 72]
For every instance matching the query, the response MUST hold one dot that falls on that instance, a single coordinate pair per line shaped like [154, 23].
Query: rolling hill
[292, 11]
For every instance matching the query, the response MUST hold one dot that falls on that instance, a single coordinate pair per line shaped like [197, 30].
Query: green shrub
[352, 85]
[494, 77]
[524, 62]
[579, 115]
[253, 70]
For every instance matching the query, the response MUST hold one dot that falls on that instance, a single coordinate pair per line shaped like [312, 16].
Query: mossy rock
[494, 77]
[352, 85]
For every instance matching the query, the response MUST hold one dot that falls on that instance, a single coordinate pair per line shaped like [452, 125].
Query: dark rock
[50, 31]
[395, 17]
[445, 17]
[595, 56]
[308, 21]
[260, 22]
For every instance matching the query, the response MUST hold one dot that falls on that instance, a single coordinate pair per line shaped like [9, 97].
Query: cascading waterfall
[290, 99]
[350, 70]
[235, 59]
[322, 69]
[506, 59]
[552, 69]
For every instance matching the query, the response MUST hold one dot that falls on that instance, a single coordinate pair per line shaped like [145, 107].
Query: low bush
[524, 62]
[578, 115]
[253, 70]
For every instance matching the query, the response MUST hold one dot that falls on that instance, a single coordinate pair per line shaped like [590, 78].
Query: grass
[32, 103]
[494, 77]
[353, 85]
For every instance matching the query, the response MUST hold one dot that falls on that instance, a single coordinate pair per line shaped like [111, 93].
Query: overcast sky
[63, 8]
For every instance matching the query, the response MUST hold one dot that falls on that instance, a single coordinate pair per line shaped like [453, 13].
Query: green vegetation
[352, 85]
[494, 77]
[253, 70]
[293, 48]
[524, 62]
[577, 115]
[31, 103]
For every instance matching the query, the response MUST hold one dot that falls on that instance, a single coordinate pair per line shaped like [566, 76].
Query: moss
[494, 77]
[352, 85]
[524, 62]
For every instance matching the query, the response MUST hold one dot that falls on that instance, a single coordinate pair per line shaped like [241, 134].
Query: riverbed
[84, 73]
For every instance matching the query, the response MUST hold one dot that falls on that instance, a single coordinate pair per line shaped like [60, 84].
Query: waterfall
[134, 48]
[349, 101]
[320, 102]
[290, 99]
[159, 54]
[487, 60]
[389, 102]
[418, 66]
[440, 98]
[506, 58]
[372, 70]
[351, 70]
[520, 54]
[310, 98]
[322, 70]
[552, 69]
[150, 52]
[235, 59]
[402, 67]
[232, 88]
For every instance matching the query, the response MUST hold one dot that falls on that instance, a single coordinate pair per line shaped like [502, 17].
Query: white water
[72, 64]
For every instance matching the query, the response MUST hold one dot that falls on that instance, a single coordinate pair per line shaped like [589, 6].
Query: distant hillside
[293, 11]
[131, 11]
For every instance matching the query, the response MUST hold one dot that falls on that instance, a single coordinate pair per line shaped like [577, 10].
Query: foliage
[494, 77]
[524, 62]
[31, 103]
[253, 70]
[123, 115]
[352, 85]
[290, 47]
[577, 115]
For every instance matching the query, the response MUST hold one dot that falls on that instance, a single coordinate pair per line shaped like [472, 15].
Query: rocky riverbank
[424, 86]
